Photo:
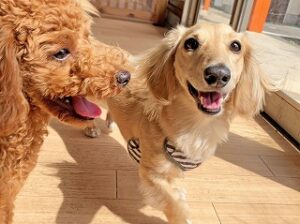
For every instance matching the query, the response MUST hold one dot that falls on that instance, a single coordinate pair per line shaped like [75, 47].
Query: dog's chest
[200, 139]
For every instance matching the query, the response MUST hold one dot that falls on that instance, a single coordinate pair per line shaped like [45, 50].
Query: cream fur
[157, 104]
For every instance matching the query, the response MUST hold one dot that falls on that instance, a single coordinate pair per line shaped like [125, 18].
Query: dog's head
[212, 65]
[49, 57]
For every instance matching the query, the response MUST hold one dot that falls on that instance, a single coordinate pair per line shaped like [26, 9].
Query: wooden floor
[254, 178]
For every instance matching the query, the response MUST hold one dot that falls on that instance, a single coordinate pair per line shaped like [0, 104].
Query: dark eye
[235, 46]
[62, 54]
[191, 44]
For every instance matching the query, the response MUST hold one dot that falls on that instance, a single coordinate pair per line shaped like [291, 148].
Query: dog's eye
[62, 54]
[235, 46]
[191, 44]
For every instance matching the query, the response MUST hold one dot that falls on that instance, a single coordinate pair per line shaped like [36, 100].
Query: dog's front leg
[159, 192]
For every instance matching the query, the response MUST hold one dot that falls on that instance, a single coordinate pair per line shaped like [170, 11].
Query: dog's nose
[123, 78]
[217, 75]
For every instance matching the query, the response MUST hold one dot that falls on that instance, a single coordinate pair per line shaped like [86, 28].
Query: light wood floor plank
[68, 179]
[231, 213]
[224, 188]
[134, 37]
[258, 136]
[67, 144]
[233, 164]
[96, 211]
[287, 166]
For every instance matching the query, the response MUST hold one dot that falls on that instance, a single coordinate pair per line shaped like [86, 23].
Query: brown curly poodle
[49, 63]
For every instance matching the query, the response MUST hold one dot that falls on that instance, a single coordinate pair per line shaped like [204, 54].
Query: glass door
[216, 11]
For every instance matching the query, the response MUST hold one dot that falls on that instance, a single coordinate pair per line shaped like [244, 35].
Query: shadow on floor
[82, 178]
[238, 143]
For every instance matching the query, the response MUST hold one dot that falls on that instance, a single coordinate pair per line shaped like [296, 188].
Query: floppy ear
[253, 84]
[13, 105]
[157, 68]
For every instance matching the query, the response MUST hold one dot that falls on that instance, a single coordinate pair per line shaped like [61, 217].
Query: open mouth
[208, 102]
[76, 106]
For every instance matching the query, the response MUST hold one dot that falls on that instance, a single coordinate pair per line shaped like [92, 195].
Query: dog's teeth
[202, 100]
[67, 101]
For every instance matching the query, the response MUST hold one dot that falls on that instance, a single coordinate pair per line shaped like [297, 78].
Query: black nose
[217, 75]
[123, 78]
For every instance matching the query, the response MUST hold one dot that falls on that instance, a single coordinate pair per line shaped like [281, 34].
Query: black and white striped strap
[173, 154]
[179, 158]
[133, 147]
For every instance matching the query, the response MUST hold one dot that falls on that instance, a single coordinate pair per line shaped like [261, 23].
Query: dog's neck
[195, 133]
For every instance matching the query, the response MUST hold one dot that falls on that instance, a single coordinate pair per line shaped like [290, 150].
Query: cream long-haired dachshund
[179, 106]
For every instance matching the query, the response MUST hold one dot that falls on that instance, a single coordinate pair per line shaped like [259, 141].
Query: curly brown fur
[33, 81]
[158, 103]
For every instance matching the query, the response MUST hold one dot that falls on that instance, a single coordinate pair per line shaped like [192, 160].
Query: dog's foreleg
[159, 192]
[110, 124]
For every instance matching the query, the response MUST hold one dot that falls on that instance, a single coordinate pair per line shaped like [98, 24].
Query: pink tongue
[85, 108]
[212, 100]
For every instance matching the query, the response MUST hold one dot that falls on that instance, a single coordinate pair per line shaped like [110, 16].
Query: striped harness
[174, 155]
